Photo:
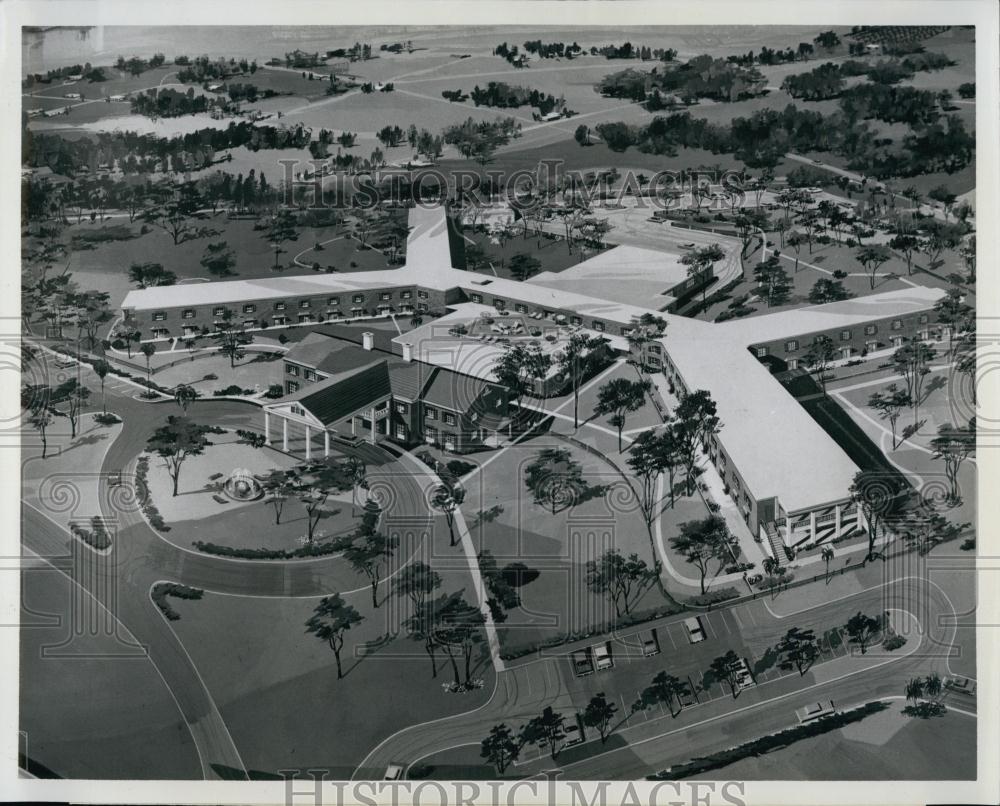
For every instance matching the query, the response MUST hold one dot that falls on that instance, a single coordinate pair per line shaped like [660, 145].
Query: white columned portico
[284, 434]
[326, 443]
[308, 443]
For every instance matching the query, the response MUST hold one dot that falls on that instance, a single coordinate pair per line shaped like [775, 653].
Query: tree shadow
[90, 439]
[765, 661]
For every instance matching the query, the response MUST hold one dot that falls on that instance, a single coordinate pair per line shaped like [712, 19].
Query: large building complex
[435, 383]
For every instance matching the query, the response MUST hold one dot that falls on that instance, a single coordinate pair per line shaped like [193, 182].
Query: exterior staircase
[774, 539]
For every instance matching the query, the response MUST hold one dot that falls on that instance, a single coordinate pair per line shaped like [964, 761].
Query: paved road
[140, 557]
[655, 744]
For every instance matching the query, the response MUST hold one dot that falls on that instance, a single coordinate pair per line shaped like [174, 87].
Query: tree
[148, 350]
[231, 338]
[944, 196]
[554, 478]
[650, 455]
[799, 649]
[821, 353]
[795, 240]
[177, 214]
[458, 628]
[185, 395]
[871, 257]
[218, 259]
[522, 266]
[416, 581]
[331, 619]
[968, 254]
[914, 689]
[702, 542]
[665, 689]
[518, 368]
[547, 730]
[179, 439]
[910, 362]
[907, 245]
[278, 487]
[933, 684]
[447, 498]
[75, 396]
[695, 424]
[701, 259]
[874, 493]
[36, 399]
[889, 405]
[827, 290]
[644, 329]
[572, 362]
[101, 370]
[312, 483]
[90, 310]
[598, 714]
[955, 313]
[582, 135]
[953, 445]
[281, 230]
[368, 554]
[622, 579]
[617, 398]
[773, 281]
[500, 748]
[725, 668]
[827, 556]
[861, 629]
[146, 275]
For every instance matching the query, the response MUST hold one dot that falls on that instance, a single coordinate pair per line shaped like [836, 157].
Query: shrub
[712, 597]
[459, 468]
[275, 390]
[107, 418]
[840, 274]
[308, 550]
[282, 338]
[893, 642]
[118, 344]
[162, 590]
[96, 537]
[232, 389]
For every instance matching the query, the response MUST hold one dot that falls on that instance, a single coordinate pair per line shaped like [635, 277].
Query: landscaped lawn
[277, 688]
[549, 251]
[249, 372]
[558, 545]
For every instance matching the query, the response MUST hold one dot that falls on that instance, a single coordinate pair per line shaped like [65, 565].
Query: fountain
[242, 486]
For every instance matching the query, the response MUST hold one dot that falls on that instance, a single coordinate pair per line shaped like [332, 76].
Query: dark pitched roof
[341, 395]
[451, 390]
[409, 379]
[328, 354]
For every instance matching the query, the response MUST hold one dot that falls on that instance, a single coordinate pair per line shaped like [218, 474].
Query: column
[308, 444]
[267, 427]
[284, 434]
[372, 415]
[354, 426]
[836, 521]
[326, 443]
[812, 526]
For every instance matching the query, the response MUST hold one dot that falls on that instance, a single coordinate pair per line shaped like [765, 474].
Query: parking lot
[636, 656]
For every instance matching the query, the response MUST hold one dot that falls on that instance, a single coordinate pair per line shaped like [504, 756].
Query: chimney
[407, 351]
[368, 340]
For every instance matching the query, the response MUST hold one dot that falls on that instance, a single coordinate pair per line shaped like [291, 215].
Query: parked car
[394, 771]
[810, 713]
[961, 685]
[650, 643]
[602, 656]
[572, 729]
[744, 678]
[695, 631]
[688, 245]
[583, 662]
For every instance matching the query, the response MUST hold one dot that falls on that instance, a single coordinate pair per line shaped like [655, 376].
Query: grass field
[885, 746]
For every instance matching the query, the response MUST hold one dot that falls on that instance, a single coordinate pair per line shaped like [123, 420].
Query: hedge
[164, 589]
[765, 744]
[308, 550]
[142, 494]
[97, 537]
[713, 597]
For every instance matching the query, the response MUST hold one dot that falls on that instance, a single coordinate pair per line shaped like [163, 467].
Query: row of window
[251, 307]
[846, 335]
[431, 413]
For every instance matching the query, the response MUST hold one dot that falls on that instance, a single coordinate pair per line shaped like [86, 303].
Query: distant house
[555, 114]
[73, 96]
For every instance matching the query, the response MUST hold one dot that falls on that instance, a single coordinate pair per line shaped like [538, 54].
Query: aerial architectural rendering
[425, 403]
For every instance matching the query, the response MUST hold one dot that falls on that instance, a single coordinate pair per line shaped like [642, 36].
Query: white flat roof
[831, 316]
[626, 274]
